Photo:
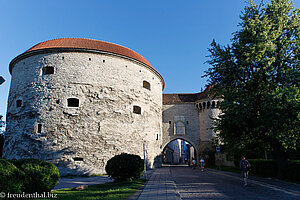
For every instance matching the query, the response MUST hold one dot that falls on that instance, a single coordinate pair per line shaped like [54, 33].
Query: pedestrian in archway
[245, 167]
[202, 163]
[194, 163]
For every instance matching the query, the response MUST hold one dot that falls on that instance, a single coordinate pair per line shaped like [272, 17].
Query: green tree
[258, 77]
[2, 125]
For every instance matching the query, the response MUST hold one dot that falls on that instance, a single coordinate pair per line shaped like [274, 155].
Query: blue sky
[172, 35]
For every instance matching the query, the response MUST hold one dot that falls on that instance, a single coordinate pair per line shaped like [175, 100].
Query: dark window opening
[78, 159]
[146, 85]
[90, 59]
[218, 104]
[103, 61]
[137, 110]
[39, 128]
[19, 103]
[48, 70]
[208, 104]
[63, 57]
[156, 136]
[73, 102]
[170, 122]
[204, 105]
[187, 122]
[213, 104]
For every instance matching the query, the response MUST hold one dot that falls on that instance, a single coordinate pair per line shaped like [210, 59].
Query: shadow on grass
[109, 191]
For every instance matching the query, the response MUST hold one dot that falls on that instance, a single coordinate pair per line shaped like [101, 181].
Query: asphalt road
[213, 184]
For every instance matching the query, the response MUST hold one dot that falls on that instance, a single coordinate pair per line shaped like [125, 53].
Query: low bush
[125, 167]
[292, 170]
[263, 168]
[11, 178]
[40, 176]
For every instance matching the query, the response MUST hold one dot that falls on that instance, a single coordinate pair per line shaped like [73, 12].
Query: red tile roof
[86, 44]
[185, 98]
[81, 43]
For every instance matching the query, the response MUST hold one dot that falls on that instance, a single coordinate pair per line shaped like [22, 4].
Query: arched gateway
[189, 117]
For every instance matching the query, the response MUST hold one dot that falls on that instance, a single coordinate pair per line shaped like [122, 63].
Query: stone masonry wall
[80, 140]
[206, 116]
[185, 112]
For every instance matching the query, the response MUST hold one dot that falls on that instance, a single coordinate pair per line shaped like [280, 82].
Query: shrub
[40, 176]
[11, 177]
[125, 167]
[263, 168]
[292, 170]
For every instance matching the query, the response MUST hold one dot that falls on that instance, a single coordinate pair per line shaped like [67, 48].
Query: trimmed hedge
[292, 170]
[268, 168]
[40, 176]
[263, 168]
[11, 178]
[125, 167]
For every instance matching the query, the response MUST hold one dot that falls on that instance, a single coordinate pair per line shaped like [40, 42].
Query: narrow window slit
[19, 103]
[39, 128]
[78, 159]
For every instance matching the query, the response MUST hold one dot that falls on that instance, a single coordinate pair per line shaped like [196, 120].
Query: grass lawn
[111, 191]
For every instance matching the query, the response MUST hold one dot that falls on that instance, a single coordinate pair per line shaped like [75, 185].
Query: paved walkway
[160, 186]
[165, 184]
[76, 181]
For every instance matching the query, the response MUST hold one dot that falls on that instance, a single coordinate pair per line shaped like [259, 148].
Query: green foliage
[292, 170]
[107, 191]
[268, 168]
[259, 79]
[2, 125]
[11, 177]
[263, 168]
[125, 167]
[40, 176]
[1, 144]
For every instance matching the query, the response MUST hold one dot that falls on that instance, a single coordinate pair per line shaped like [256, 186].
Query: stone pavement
[160, 186]
[185, 183]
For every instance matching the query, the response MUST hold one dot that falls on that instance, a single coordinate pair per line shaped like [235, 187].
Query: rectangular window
[73, 102]
[146, 85]
[48, 70]
[137, 110]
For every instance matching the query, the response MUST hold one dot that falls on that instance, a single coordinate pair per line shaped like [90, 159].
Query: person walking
[194, 163]
[245, 167]
[202, 163]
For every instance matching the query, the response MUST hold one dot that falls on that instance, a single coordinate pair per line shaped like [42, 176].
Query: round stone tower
[208, 109]
[78, 102]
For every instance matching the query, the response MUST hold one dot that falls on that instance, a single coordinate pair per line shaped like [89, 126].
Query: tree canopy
[258, 77]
